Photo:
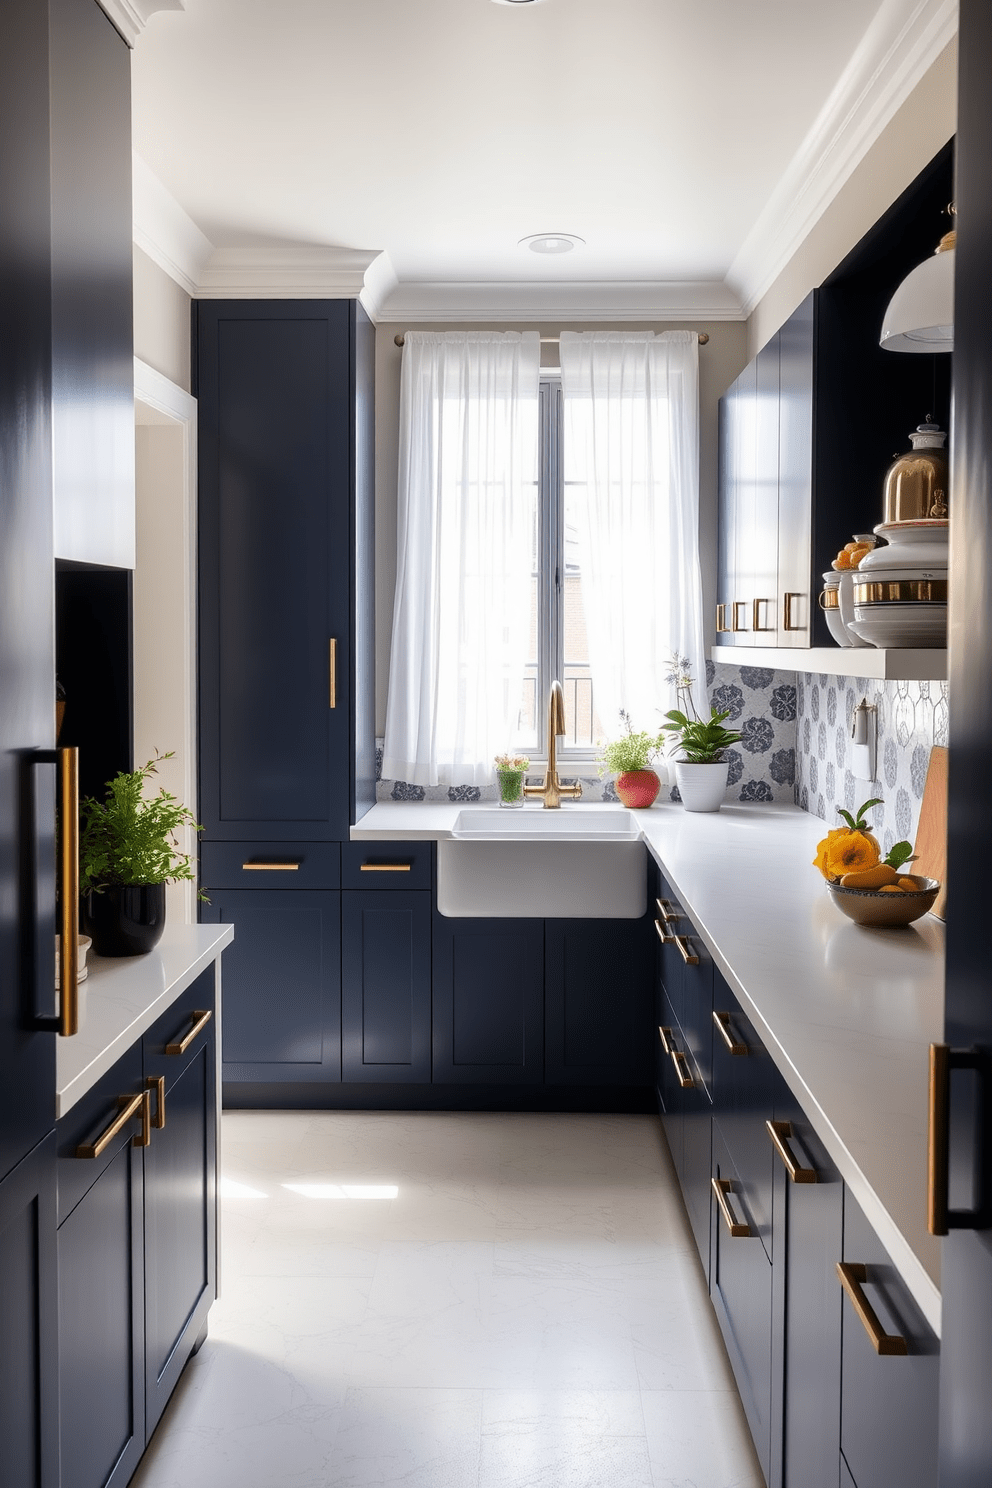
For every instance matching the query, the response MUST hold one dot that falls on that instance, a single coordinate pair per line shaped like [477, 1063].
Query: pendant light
[920, 317]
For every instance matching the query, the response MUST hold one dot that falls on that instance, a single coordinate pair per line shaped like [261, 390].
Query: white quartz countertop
[847, 1014]
[122, 997]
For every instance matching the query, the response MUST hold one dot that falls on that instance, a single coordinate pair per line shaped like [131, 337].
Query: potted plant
[701, 767]
[127, 854]
[629, 759]
[510, 772]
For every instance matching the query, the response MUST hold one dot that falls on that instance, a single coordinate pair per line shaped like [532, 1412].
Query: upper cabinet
[810, 427]
[92, 345]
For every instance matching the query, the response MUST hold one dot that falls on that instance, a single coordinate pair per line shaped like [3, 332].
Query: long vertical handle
[333, 668]
[68, 761]
[941, 1218]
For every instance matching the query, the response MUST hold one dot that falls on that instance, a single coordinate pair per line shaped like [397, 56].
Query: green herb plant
[631, 751]
[130, 838]
[700, 742]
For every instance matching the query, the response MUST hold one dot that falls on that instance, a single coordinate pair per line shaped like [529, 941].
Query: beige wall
[161, 321]
[719, 363]
[925, 123]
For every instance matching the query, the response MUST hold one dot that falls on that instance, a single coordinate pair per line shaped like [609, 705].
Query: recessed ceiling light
[551, 242]
[518, 2]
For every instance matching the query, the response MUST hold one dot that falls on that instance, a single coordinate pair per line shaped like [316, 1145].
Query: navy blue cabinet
[282, 983]
[488, 1001]
[101, 1282]
[598, 990]
[29, 1394]
[386, 986]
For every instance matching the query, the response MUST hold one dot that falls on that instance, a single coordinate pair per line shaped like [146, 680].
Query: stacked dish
[900, 590]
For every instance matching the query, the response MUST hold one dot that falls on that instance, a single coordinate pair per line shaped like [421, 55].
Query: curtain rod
[701, 336]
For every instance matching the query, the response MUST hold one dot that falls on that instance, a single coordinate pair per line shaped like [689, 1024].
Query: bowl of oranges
[869, 889]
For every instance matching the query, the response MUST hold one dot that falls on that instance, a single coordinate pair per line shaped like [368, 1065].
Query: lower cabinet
[598, 977]
[890, 1365]
[29, 1397]
[386, 987]
[137, 1240]
[488, 1001]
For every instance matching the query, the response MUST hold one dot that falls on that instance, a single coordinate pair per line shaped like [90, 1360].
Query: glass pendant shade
[920, 317]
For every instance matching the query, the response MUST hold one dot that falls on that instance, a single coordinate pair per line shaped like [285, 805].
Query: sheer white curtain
[465, 546]
[632, 453]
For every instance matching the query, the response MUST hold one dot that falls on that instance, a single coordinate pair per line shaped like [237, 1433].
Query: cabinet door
[807, 1231]
[282, 983]
[668, 1084]
[598, 992]
[795, 479]
[93, 436]
[697, 1159]
[102, 1327]
[744, 498]
[29, 1396]
[763, 564]
[697, 1001]
[741, 1290]
[386, 987]
[275, 441]
[180, 1210]
[488, 1002]
[745, 1087]
[888, 1402]
[670, 921]
[726, 516]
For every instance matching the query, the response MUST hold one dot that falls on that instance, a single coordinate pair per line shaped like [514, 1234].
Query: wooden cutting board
[931, 834]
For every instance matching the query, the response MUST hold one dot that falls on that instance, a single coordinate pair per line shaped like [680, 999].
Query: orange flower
[849, 852]
[820, 861]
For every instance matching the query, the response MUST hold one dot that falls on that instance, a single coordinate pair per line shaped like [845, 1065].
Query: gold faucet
[552, 789]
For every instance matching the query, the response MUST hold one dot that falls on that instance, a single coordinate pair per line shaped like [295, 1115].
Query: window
[558, 644]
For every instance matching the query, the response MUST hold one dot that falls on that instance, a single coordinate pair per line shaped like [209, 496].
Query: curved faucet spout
[552, 789]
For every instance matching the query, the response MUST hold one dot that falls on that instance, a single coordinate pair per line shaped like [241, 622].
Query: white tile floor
[527, 1312]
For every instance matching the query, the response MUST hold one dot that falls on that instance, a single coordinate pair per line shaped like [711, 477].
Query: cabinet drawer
[888, 1401]
[294, 865]
[745, 1085]
[396, 866]
[88, 1119]
[669, 920]
[183, 1021]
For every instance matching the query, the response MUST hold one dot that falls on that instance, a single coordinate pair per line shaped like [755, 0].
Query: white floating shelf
[891, 664]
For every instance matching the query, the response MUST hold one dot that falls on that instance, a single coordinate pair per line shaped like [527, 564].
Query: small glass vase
[511, 788]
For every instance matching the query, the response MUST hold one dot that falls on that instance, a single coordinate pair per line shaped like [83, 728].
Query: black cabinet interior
[93, 661]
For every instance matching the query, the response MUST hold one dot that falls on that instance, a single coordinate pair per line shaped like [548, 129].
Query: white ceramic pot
[845, 596]
[702, 787]
[831, 609]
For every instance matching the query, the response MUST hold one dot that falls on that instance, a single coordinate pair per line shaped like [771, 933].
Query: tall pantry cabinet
[285, 393]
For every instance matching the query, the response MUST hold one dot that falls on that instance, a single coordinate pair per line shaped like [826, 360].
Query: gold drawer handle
[787, 621]
[781, 1133]
[68, 762]
[722, 1188]
[756, 614]
[333, 671]
[664, 909]
[202, 1019]
[852, 1278]
[682, 941]
[660, 932]
[738, 604]
[256, 867]
[722, 628]
[129, 1107]
[726, 1032]
[386, 868]
[157, 1083]
[682, 1072]
[665, 1034]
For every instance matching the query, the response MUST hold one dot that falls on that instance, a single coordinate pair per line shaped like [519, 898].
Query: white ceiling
[442, 131]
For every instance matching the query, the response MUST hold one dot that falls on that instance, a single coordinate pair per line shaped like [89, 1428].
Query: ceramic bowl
[873, 908]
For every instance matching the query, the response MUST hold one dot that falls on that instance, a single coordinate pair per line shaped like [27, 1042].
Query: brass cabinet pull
[722, 1188]
[682, 1072]
[756, 614]
[660, 932]
[255, 867]
[852, 1278]
[157, 1083]
[663, 910]
[180, 1047]
[781, 1133]
[726, 1032]
[129, 1106]
[722, 628]
[938, 1139]
[68, 760]
[665, 1034]
[333, 670]
[738, 604]
[682, 941]
[386, 868]
[787, 620]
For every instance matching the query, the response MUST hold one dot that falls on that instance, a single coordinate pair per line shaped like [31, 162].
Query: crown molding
[163, 230]
[285, 271]
[903, 41]
[380, 283]
[132, 16]
[536, 301]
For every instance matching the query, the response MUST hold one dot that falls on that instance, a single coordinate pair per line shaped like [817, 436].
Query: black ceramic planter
[125, 919]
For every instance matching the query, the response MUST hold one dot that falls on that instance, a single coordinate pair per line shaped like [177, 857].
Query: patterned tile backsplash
[912, 717]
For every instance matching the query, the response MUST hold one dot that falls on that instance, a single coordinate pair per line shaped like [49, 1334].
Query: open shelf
[890, 664]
